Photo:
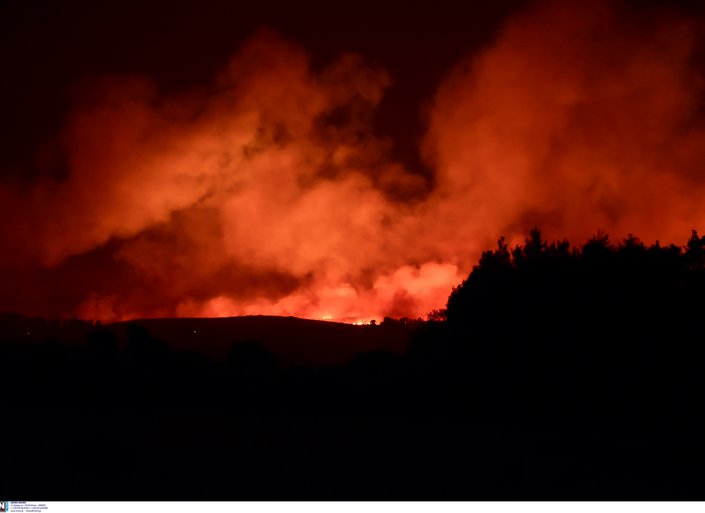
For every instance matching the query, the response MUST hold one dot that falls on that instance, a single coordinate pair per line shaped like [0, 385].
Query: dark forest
[555, 372]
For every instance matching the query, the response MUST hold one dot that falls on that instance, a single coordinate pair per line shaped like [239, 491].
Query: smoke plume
[266, 191]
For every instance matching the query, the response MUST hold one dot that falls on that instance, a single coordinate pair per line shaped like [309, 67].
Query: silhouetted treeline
[601, 329]
[556, 372]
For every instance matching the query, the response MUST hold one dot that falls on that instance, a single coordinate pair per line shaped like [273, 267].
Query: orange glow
[243, 197]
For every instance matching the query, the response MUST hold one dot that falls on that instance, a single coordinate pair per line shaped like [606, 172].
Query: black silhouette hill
[292, 340]
[555, 372]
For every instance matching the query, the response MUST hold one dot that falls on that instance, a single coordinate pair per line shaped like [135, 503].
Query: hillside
[291, 340]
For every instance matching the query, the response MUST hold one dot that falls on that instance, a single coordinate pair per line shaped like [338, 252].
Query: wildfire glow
[267, 192]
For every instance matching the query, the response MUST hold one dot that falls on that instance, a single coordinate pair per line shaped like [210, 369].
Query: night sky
[342, 161]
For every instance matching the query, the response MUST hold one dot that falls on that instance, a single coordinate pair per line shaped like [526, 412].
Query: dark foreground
[557, 374]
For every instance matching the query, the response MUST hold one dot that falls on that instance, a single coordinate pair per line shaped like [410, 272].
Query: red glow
[244, 198]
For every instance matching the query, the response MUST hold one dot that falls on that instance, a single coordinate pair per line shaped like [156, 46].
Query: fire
[268, 192]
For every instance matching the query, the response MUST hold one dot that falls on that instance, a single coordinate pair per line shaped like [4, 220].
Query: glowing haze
[266, 190]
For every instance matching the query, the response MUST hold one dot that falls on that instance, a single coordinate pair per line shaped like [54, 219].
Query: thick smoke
[581, 117]
[266, 192]
[263, 193]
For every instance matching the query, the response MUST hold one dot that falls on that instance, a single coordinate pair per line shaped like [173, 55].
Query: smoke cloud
[581, 117]
[267, 191]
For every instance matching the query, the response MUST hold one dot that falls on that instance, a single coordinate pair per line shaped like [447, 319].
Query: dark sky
[48, 46]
